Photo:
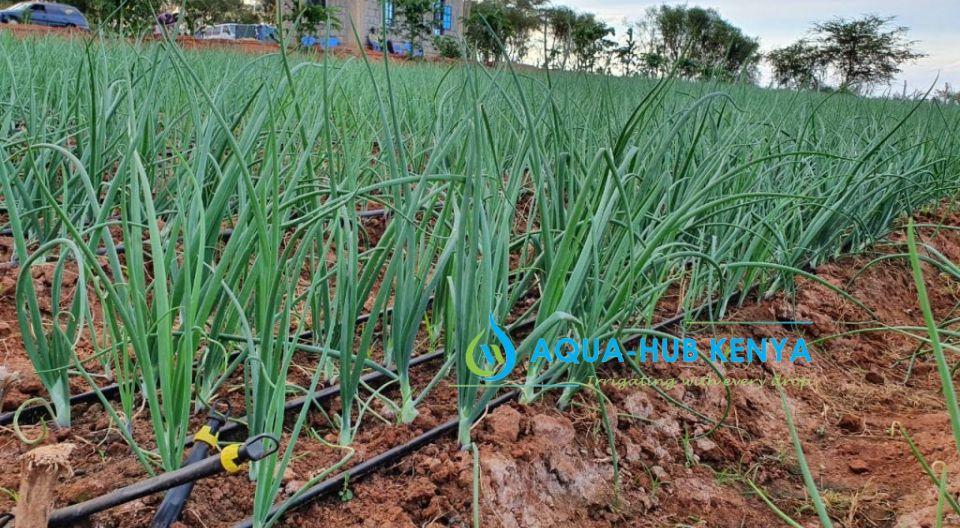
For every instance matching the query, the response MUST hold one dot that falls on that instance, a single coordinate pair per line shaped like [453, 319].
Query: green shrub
[448, 47]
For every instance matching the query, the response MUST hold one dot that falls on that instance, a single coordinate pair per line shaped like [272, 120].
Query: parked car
[260, 32]
[44, 14]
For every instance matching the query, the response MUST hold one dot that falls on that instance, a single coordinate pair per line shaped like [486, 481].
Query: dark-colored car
[44, 14]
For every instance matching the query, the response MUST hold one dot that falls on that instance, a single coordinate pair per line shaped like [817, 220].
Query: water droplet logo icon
[503, 357]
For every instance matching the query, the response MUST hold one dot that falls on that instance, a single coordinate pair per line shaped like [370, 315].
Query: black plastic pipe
[392, 455]
[238, 427]
[224, 235]
[175, 499]
[34, 413]
[81, 511]
[372, 213]
[367, 467]
[256, 448]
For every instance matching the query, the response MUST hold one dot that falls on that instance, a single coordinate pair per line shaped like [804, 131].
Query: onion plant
[542, 205]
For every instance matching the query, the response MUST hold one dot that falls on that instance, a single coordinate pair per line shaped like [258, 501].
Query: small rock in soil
[387, 412]
[293, 486]
[612, 416]
[62, 433]
[668, 426]
[30, 385]
[557, 429]
[858, 466]
[504, 424]
[874, 377]
[421, 489]
[851, 423]
[708, 450]
[660, 473]
[102, 423]
[634, 453]
[638, 404]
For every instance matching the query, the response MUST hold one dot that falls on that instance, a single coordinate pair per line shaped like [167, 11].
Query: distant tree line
[692, 42]
[860, 53]
[851, 55]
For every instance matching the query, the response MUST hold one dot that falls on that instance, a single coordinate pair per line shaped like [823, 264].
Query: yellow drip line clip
[229, 457]
[204, 435]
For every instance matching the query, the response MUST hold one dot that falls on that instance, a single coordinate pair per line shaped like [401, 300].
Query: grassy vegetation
[574, 201]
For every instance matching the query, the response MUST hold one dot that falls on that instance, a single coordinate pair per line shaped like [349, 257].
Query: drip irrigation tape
[390, 456]
[237, 427]
[34, 413]
[224, 235]
[369, 466]
[173, 502]
[256, 448]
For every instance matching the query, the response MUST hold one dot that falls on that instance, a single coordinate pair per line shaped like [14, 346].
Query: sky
[935, 24]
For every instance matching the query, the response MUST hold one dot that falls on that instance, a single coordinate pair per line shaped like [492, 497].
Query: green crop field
[558, 205]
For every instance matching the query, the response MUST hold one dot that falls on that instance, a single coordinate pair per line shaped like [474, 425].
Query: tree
[501, 29]
[800, 65]
[864, 51]
[122, 16]
[558, 23]
[413, 22]
[486, 28]
[628, 54]
[590, 42]
[947, 95]
[700, 43]
[310, 18]
[523, 18]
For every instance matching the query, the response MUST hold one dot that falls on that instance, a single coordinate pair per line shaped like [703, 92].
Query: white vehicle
[233, 32]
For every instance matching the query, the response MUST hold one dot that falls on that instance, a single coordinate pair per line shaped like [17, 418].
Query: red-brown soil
[252, 47]
[540, 466]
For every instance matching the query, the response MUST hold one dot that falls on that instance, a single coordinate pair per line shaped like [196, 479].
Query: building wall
[366, 14]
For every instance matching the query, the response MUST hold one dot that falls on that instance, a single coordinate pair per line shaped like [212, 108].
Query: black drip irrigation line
[371, 465]
[173, 502]
[223, 235]
[237, 427]
[34, 413]
[370, 213]
[172, 509]
[198, 467]
[397, 453]
[256, 448]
